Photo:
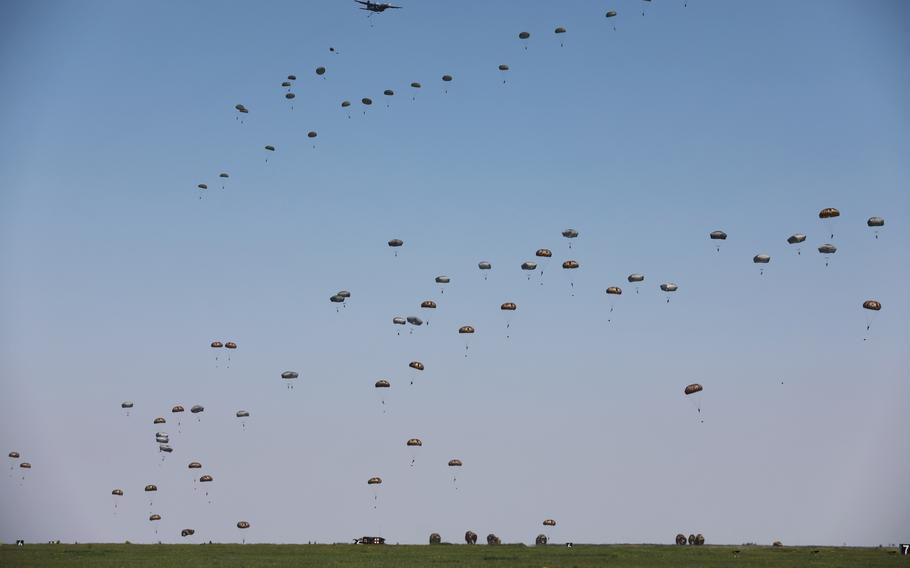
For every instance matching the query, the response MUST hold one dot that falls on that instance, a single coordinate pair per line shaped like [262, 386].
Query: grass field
[343, 555]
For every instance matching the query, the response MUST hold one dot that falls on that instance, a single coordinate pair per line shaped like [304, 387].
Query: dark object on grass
[470, 537]
[681, 539]
[699, 539]
[435, 538]
[493, 539]
[541, 540]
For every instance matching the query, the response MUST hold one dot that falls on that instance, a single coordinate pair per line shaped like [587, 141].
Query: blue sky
[745, 117]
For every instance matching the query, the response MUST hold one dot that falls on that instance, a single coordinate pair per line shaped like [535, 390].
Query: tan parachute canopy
[187, 532]
[151, 487]
[549, 523]
[796, 238]
[718, 235]
[543, 253]
[154, 517]
[875, 222]
[230, 345]
[194, 465]
[416, 365]
[570, 264]
[117, 492]
[873, 305]
[693, 388]
[243, 525]
[443, 279]
[414, 442]
[761, 259]
[206, 479]
[828, 213]
[177, 408]
[428, 304]
[509, 306]
[669, 287]
[466, 329]
[374, 481]
[25, 465]
[217, 345]
[159, 420]
[455, 463]
[14, 455]
[614, 290]
[383, 384]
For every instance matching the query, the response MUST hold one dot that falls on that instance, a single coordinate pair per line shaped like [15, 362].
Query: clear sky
[746, 117]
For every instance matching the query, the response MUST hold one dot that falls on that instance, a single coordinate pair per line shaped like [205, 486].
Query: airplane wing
[390, 6]
[361, 2]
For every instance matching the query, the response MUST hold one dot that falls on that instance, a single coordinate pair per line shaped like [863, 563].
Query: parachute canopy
[416, 365]
[243, 525]
[292, 77]
[290, 96]
[154, 517]
[396, 243]
[388, 92]
[25, 465]
[243, 414]
[446, 78]
[668, 287]
[415, 84]
[570, 264]
[549, 523]
[636, 278]
[693, 388]
[875, 222]
[383, 384]
[374, 481]
[718, 235]
[14, 455]
[529, 266]
[311, 134]
[503, 67]
[873, 305]
[367, 101]
[570, 233]
[455, 463]
[187, 532]
[559, 30]
[194, 465]
[151, 487]
[216, 345]
[523, 35]
[484, 265]
[224, 175]
[428, 304]
[159, 420]
[197, 408]
[118, 492]
[320, 70]
[508, 306]
[543, 253]
[270, 148]
[289, 375]
[414, 442]
[177, 408]
[205, 478]
[827, 249]
[443, 279]
[614, 290]
[611, 14]
[202, 186]
[230, 345]
[828, 213]
[796, 238]
[398, 320]
[286, 84]
[126, 404]
[336, 299]
[761, 259]
[466, 329]
[414, 320]
[344, 293]
[345, 104]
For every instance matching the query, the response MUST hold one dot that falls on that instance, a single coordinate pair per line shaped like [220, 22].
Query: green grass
[345, 555]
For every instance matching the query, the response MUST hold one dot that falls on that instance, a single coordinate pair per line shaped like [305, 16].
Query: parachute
[398, 320]
[761, 259]
[442, 280]
[827, 215]
[126, 404]
[187, 532]
[570, 234]
[320, 70]
[374, 481]
[396, 243]
[416, 85]
[668, 287]
[197, 408]
[289, 376]
[827, 250]
[367, 101]
[696, 400]
[635, 278]
[873, 307]
[523, 35]
[243, 414]
[380, 388]
[455, 463]
[544, 255]
[382, 384]
[413, 445]
[484, 265]
[290, 96]
[230, 345]
[243, 525]
[155, 518]
[796, 239]
[165, 448]
[159, 420]
[508, 306]
[611, 14]
[150, 487]
[529, 266]
[571, 265]
[292, 77]
[286, 84]
[718, 236]
[508, 309]
[875, 223]
[560, 30]
[414, 320]
[467, 331]
[194, 465]
[388, 92]
[446, 79]
[549, 523]
[14, 455]
[428, 304]
[613, 291]
[25, 465]
[118, 492]
[205, 479]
